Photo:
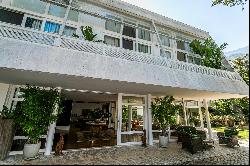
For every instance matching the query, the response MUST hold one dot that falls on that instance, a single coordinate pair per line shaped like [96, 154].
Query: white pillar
[208, 119]
[178, 119]
[201, 116]
[184, 111]
[119, 119]
[129, 117]
[149, 132]
[51, 132]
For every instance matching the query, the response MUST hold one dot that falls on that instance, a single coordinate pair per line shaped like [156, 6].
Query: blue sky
[224, 24]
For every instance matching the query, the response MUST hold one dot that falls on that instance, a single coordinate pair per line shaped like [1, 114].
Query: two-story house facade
[143, 55]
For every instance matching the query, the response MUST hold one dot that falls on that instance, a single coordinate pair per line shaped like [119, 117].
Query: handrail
[20, 33]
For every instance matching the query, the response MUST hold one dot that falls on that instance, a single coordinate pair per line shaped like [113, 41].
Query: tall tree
[230, 2]
[237, 108]
[210, 52]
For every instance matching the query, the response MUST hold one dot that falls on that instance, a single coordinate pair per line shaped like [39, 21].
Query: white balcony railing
[28, 35]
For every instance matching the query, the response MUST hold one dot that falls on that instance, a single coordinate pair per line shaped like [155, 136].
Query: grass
[243, 134]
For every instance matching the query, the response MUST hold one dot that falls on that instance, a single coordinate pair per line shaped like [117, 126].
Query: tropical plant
[88, 34]
[36, 112]
[230, 2]
[7, 113]
[164, 112]
[210, 52]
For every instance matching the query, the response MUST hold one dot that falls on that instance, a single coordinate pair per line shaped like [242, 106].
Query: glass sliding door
[133, 119]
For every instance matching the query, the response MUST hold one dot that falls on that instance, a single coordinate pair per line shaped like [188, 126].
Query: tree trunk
[7, 132]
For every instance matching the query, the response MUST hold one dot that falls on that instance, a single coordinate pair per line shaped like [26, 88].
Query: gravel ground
[137, 155]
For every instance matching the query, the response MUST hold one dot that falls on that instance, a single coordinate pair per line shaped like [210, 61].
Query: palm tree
[88, 34]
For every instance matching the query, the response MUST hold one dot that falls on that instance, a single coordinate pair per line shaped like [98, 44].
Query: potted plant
[35, 114]
[164, 113]
[88, 34]
[7, 131]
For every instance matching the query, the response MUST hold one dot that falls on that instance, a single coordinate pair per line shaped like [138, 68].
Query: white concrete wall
[15, 55]
[3, 93]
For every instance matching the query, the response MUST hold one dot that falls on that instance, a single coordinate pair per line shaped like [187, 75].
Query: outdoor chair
[193, 143]
[229, 137]
[182, 130]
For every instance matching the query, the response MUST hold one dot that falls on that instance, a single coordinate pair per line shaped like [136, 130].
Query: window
[129, 31]
[144, 33]
[194, 60]
[165, 40]
[52, 27]
[69, 31]
[144, 48]
[11, 17]
[181, 56]
[166, 54]
[180, 45]
[113, 26]
[73, 15]
[183, 45]
[112, 41]
[33, 5]
[57, 11]
[128, 44]
[33, 23]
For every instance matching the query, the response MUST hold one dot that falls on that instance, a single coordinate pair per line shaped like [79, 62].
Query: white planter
[31, 150]
[163, 141]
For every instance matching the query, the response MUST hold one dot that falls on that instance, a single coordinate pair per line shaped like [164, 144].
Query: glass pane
[144, 48]
[11, 17]
[190, 59]
[133, 100]
[113, 26]
[128, 44]
[197, 61]
[33, 23]
[129, 31]
[166, 54]
[165, 40]
[33, 5]
[57, 10]
[73, 15]
[52, 27]
[132, 118]
[143, 33]
[180, 45]
[69, 31]
[112, 41]
[181, 56]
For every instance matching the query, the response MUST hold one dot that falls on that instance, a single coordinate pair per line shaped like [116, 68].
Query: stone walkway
[137, 155]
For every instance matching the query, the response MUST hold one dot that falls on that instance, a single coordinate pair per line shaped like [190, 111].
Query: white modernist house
[144, 55]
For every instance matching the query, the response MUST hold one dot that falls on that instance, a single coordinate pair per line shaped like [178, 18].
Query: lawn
[243, 134]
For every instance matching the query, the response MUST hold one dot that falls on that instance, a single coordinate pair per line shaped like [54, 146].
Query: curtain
[51, 27]
[113, 26]
[112, 41]
[69, 31]
[143, 48]
[33, 23]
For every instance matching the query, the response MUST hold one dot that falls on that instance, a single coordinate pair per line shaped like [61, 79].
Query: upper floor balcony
[132, 56]
[30, 50]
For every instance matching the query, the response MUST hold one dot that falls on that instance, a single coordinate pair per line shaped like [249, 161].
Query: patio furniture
[228, 137]
[193, 143]
[182, 130]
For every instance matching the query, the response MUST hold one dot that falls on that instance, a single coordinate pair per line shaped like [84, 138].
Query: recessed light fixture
[83, 91]
[97, 92]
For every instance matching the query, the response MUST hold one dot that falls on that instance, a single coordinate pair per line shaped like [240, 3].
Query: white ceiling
[19, 77]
